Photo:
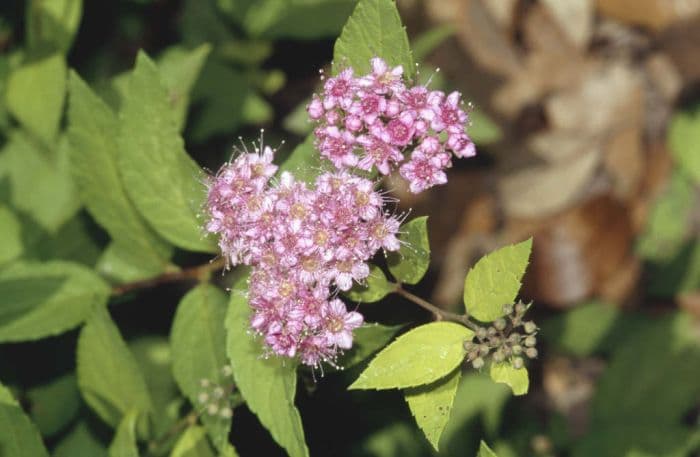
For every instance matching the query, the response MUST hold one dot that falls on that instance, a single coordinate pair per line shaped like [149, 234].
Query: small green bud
[518, 363]
[204, 383]
[514, 338]
[473, 354]
[478, 363]
[530, 341]
[492, 331]
[212, 409]
[507, 351]
[531, 352]
[226, 413]
[203, 397]
[498, 356]
[481, 333]
[468, 345]
[517, 349]
[500, 324]
[495, 341]
[218, 392]
[227, 371]
[530, 327]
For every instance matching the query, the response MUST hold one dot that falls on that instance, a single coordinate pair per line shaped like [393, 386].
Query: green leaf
[495, 281]
[81, 441]
[179, 69]
[121, 263]
[428, 41]
[485, 451]
[431, 405]
[54, 404]
[581, 330]
[420, 356]
[93, 130]
[410, 264]
[684, 138]
[367, 340]
[516, 379]
[373, 30]
[164, 183]
[198, 340]
[40, 180]
[268, 385]
[375, 288]
[52, 24]
[45, 299]
[11, 240]
[298, 122]
[35, 93]
[483, 130]
[124, 443]
[108, 375]
[193, 443]
[304, 162]
[75, 241]
[18, 436]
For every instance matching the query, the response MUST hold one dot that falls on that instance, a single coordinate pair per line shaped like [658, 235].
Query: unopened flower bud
[478, 363]
[227, 371]
[531, 352]
[530, 327]
[495, 341]
[507, 309]
[500, 324]
[212, 409]
[492, 331]
[218, 392]
[203, 397]
[204, 383]
[530, 341]
[468, 345]
[498, 356]
[517, 349]
[507, 351]
[484, 350]
[473, 354]
[514, 338]
[481, 333]
[518, 363]
[226, 413]
[520, 308]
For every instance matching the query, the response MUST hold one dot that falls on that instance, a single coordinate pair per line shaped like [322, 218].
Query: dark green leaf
[52, 24]
[193, 443]
[684, 138]
[420, 356]
[581, 330]
[124, 442]
[11, 240]
[428, 41]
[485, 451]
[375, 287]
[410, 264]
[268, 384]
[304, 162]
[367, 340]
[55, 404]
[81, 441]
[44, 299]
[18, 436]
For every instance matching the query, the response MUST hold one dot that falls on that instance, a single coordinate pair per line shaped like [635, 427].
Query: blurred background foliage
[587, 120]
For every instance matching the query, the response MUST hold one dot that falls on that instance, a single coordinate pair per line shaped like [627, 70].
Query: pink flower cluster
[303, 243]
[372, 120]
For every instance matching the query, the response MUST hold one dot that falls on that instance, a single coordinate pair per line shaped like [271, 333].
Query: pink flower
[383, 79]
[423, 171]
[315, 108]
[339, 90]
[461, 145]
[448, 115]
[340, 324]
[337, 146]
[377, 153]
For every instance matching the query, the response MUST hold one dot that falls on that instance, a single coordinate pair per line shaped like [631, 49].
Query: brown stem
[440, 314]
[195, 273]
[176, 428]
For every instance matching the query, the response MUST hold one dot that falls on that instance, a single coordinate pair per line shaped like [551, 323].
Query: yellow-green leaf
[411, 262]
[516, 379]
[374, 288]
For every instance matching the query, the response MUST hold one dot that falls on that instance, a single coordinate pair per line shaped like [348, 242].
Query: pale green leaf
[298, 122]
[164, 183]
[55, 404]
[304, 162]
[582, 329]
[53, 24]
[75, 241]
[92, 132]
[40, 180]
[18, 436]
[179, 69]
[420, 356]
[124, 442]
[81, 441]
[35, 93]
[256, 110]
[485, 451]
[374, 288]
[108, 374]
[11, 240]
[373, 30]
[44, 299]
[431, 405]
[367, 340]
[198, 340]
[268, 384]
[193, 443]
[411, 262]
[495, 281]
[516, 379]
[684, 142]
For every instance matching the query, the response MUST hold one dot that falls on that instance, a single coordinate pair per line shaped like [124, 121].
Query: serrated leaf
[35, 93]
[40, 180]
[485, 451]
[164, 183]
[367, 340]
[193, 443]
[124, 442]
[375, 287]
[268, 385]
[81, 441]
[373, 30]
[11, 240]
[411, 262]
[179, 69]
[52, 24]
[198, 340]
[44, 299]
[92, 132]
[684, 137]
[18, 436]
[420, 356]
[431, 405]
[495, 281]
[55, 404]
[108, 375]
[516, 379]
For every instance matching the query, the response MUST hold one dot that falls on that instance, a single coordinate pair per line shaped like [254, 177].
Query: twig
[197, 273]
[176, 428]
[440, 314]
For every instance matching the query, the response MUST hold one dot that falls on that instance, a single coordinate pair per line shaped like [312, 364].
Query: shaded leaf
[268, 385]
[18, 436]
[44, 299]
[304, 162]
[193, 443]
[375, 287]
[124, 442]
[81, 441]
[516, 379]
[411, 262]
[495, 281]
[485, 451]
[483, 130]
[11, 241]
[52, 24]
[54, 404]
[684, 137]
[581, 330]
[420, 356]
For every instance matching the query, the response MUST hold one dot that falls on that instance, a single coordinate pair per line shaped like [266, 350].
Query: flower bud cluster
[373, 120]
[302, 242]
[214, 397]
[508, 338]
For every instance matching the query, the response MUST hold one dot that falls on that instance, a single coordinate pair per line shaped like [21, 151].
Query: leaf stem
[186, 421]
[440, 314]
[198, 273]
